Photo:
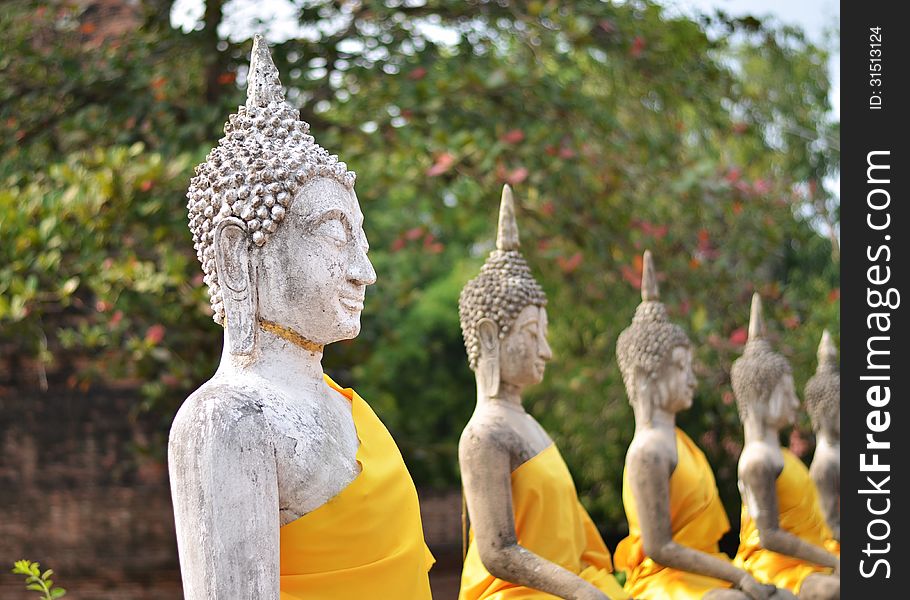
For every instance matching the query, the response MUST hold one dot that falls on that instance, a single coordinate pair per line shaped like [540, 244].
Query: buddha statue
[676, 518]
[530, 536]
[783, 531]
[284, 484]
[823, 404]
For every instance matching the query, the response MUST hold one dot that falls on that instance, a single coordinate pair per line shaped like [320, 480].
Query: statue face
[524, 351]
[678, 385]
[313, 272]
[783, 403]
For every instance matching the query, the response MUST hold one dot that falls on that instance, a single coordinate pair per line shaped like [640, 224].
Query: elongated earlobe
[644, 394]
[232, 258]
[488, 364]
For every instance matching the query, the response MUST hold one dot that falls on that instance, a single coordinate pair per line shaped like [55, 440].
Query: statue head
[277, 226]
[823, 390]
[762, 378]
[503, 314]
[655, 355]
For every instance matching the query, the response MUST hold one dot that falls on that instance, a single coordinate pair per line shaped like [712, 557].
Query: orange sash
[550, 522]
[698, 521]
[366, 542]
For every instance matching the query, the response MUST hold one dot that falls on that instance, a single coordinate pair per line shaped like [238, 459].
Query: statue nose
[361, 271]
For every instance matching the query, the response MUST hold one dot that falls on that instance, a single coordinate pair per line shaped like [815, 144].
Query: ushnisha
[783, 534]
[530, 537]
[284, 483]
[676, 518]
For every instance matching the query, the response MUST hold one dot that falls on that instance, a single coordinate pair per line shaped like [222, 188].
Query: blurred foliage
[621, 127]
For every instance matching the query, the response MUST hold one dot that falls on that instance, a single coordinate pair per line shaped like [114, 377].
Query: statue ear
[488, 365]
[232, 258]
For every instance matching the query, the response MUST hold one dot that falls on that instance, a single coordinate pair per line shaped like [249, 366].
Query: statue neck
[507, 394]
[649, 415]
[280, 358]
[756, 430]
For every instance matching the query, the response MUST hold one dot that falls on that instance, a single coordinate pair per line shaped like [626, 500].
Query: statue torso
[312, 435]
[518, 432]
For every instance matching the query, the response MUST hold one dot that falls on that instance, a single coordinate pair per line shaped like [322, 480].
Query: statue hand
[754, 589]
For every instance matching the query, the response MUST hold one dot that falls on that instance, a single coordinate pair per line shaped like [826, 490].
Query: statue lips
[351, 302]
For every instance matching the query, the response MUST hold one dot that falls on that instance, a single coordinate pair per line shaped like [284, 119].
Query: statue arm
[827, 481]
[225, 493]
[759, 478]
[649, 470]
[486, 476]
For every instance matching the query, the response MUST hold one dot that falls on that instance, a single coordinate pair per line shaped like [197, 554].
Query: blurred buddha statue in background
[676, 518]
[783, 533]
[530, 536]
[285, 484]
[822, 397]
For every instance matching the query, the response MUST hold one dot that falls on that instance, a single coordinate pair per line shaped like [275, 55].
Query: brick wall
[77, 495]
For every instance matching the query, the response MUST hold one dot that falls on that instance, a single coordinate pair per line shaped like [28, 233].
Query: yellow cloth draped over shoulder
[800, 513]
[550, 522]
[366, 542]
[697, 519]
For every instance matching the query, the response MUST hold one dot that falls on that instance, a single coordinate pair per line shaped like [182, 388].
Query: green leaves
[37, 581]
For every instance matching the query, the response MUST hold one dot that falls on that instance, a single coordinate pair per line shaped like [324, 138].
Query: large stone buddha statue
[676, 518]
[530, 536]
[284, 483]
[823, 404]
[783, 533]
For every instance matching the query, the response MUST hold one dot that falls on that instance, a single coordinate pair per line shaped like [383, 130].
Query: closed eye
[334, 230]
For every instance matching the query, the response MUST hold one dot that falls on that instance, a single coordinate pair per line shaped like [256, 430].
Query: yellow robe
[697, 519]
[366, 542]
[550, 522]
[800, 513]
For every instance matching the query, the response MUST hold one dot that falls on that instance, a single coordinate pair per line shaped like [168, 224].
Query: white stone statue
[823, 404]
[268, 440]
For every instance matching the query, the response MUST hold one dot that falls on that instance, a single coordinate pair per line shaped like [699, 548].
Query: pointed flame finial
[507, 234]
[756, 319]
[827, 352]
[263, 85]
[649, 290]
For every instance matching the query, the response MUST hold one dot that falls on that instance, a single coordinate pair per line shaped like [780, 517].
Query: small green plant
[38, 581]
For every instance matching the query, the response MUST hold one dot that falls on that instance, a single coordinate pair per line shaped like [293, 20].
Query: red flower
[516, 176]
[418, 73]
[739, 336]
[569, 264]
[443, 163]
[513, 136]
[146, 185]
[631, 276]
[155, 334]
[226, 78]
[638, 46]
[413, 234]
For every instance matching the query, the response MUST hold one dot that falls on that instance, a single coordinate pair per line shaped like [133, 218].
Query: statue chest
[315, 452]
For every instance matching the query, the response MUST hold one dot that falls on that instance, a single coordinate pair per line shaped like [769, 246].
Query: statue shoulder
[760, 462]
[221, 407]
[486, 433]
[652, 449]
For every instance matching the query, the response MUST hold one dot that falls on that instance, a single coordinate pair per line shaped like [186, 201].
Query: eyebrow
[312, 222]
